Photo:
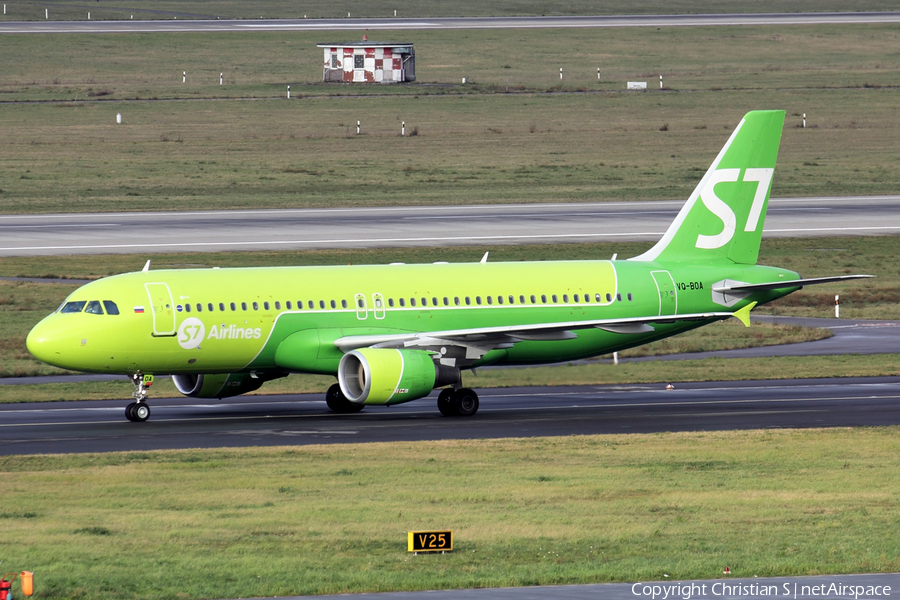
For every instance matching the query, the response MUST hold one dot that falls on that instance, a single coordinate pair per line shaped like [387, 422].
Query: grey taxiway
[411, 226]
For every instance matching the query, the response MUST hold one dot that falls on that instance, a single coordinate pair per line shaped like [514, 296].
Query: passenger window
[94, 308]
[565, 297]
[533, 301]
[311, 305]
[434, 302]
[256, 306]
[555, 299]
[266, 305]
[243, 306]
[576, 298]
[199, 307]
[187, 308]
[629, 296]
[446, 301]
[344, 303]
[499, 299]
[321, 304]
[333, 305]
[608, 297]
[221, 306]
[391, 302]
[412, 301]
[619, 297]
[456, 300]
[402, 302]
[490, 300]
[521, 299]
[111, 308]
[277, 305]
[287, 305]
[468, 301]
[543, 299]
[512, 299]
[359, 303]
[478, 300]
[233, 307]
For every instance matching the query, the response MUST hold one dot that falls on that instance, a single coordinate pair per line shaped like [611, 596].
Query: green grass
[242, 145]
[333, 519]
[319, 9]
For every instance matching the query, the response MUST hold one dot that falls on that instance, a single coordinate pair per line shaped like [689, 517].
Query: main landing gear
[139, 411]
[337, 401]
[461, 402]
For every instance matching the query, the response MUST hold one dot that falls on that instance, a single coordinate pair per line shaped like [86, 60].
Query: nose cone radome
[56, 342]
[43, 343]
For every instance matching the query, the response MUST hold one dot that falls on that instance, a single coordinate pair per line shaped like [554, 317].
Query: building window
[359, 61]
[334, 61]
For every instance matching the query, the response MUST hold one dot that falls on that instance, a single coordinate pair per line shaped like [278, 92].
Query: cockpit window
[74, 307]
[94, 308]
[111, 308]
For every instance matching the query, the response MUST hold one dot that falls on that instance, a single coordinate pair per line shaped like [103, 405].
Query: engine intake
[390, 376]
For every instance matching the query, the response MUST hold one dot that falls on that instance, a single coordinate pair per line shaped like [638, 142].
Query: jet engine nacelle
[219, 385]
[389, 376]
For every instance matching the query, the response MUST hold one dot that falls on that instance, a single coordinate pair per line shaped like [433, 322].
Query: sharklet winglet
[743, 315]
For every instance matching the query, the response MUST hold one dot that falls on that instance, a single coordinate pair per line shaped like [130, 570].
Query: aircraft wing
[735, 286]
[479, 341]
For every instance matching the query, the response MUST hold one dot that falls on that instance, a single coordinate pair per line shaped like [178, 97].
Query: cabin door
[161, 306]
[668, 299]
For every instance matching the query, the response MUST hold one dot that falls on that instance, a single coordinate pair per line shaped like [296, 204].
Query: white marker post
[184, 77]
[837, 307]
[89, 16]
[289, 93]
[615, 358]
[221, 78]
[598, 73]
[357, 128]
[804, 120]
[46, 13]
[4, 9]
[118, 118]
[403, 129]
[560, 73]
[660, 82]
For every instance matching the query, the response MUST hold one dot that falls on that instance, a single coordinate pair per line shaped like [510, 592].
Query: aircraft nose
[43, 344]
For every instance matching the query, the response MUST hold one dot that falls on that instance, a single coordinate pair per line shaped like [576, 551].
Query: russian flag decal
[138, 309]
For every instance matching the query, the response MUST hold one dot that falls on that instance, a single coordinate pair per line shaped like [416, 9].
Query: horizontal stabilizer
[779, 285]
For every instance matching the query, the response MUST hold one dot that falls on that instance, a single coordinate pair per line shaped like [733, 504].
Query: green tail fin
[727, 222]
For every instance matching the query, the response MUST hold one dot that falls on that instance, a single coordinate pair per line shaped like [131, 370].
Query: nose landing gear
[139, 411]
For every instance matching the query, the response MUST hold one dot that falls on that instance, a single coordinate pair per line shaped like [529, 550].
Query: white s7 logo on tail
[717, 206]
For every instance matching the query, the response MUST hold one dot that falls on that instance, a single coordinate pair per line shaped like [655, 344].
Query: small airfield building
[369, 62]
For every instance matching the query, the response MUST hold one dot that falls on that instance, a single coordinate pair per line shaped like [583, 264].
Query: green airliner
[393, 333]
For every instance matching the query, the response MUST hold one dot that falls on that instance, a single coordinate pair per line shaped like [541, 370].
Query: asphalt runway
[411, 226]
[100, 426]
[394, 24]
